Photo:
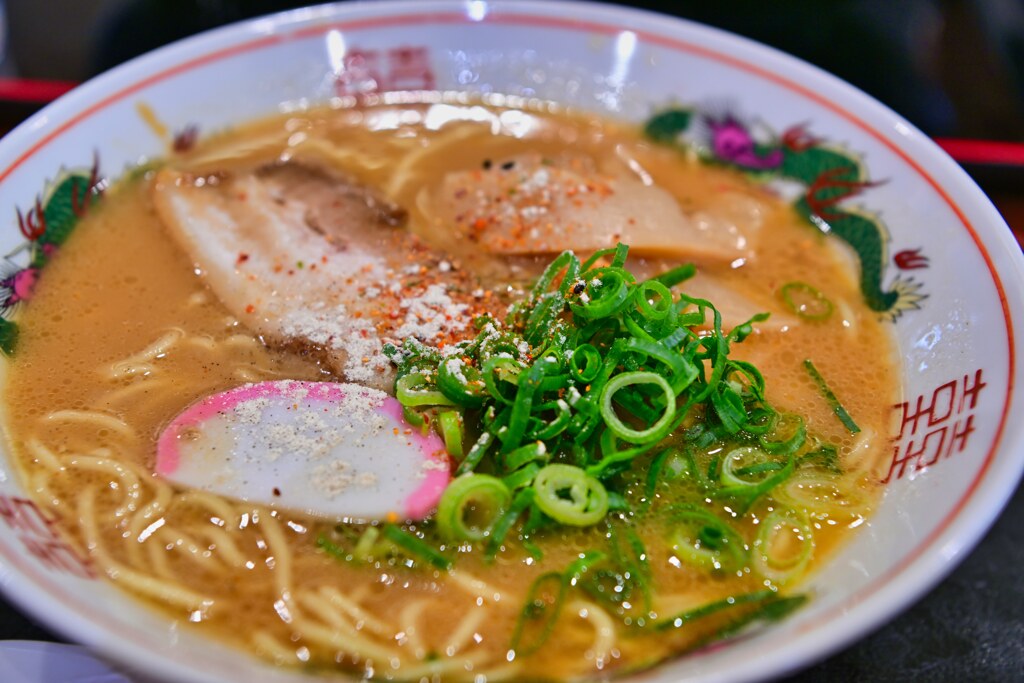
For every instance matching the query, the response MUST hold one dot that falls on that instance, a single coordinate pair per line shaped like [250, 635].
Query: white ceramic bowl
[957, 452]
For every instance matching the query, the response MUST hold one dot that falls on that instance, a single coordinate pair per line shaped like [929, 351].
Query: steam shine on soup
[641, 462]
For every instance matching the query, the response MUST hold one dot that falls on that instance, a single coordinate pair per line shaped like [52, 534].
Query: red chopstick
[988, 152]
[32, 90]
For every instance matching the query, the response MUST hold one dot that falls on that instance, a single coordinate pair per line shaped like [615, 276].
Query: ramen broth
[123, 333]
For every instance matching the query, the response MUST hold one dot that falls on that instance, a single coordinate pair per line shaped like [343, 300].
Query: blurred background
[955, 68]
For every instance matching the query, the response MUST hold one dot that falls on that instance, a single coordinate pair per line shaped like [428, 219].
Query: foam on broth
[88, 393]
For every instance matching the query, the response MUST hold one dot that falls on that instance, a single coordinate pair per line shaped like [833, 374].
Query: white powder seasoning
[431, 315]
[333, 328]
[314, 430]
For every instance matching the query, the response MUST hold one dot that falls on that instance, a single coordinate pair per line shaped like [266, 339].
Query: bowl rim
[881, 599]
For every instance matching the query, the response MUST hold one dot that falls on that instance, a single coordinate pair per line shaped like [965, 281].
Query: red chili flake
[250, 308]
[278, 268]
[242, 258]
[277, 491]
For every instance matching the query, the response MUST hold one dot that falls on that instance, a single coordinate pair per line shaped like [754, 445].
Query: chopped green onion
[826, 456]
[500, 369]
[470, 507]
[700, 538]
[549, 430]
[653, 432]
[837, 407]
[771, 609]
[460, 383]
[608, 291]
[590, 371]
[542, 608]
[671, 278]
[450, 423]
[749, 490]
[522, 477]
[476, 453]
[790, 433]
[367, 541]
[585, 503]
[415, 546]
[586, 362]
[518, 419]
[525, 454]
[806, 301]
[713, 607]
[754, 461]
[821, 495]
[654, 473]
[410, 392]
[660, 307]
[333, 549]
[414, 417]
[501, 528]
[773, 553]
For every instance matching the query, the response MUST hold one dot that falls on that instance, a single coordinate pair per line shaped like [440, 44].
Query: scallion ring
[500, 370]
[608, 291]
[654, 432]
[585, 363]
[661, 305]
[806, 301]
[789, 432]
[410, 391]
[568, 495]
[783, 546]
[747, 466]
[461, 383]
[471, 505]
[701, 539]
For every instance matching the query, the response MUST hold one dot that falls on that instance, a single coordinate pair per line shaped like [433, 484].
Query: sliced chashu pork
[532, 205]
[288, 249]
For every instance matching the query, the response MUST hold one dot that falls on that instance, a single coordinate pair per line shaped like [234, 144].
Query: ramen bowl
[934, 258]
